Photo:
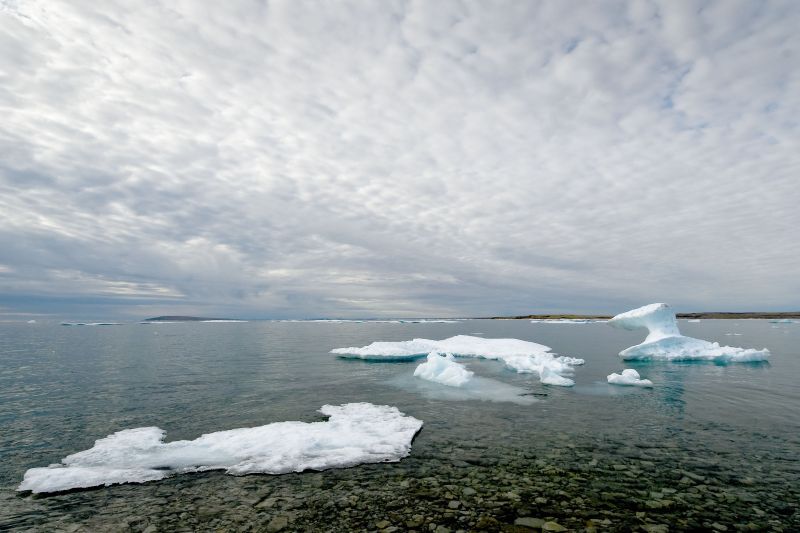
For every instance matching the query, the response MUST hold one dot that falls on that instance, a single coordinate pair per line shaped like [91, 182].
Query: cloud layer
[306, 159]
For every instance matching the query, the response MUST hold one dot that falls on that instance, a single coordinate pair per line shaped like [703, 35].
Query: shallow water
[718, 443]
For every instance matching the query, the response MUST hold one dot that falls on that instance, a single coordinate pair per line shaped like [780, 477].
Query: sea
[710, 447]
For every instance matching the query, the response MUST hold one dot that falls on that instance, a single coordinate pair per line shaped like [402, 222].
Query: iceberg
[664, 340]
[443, 369]
[522, 356]
[629, 376]
[355, 433]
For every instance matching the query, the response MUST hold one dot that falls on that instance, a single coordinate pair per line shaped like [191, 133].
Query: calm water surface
[61, 388]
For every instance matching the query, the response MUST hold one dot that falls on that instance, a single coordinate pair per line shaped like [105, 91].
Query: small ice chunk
[629, 376]
[522, 356]
[664, 340]
[694, 320]
[443, 369]
[355, 433]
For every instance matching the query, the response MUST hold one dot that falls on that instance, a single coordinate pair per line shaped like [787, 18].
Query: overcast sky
[376, 158]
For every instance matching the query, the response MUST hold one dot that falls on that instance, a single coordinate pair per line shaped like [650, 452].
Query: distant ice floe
[629, 376]
[567, 321]
[694, 320]
[379, 321]
[91, 323]
[782, 321]
[31, 322]
[665, 341]
[355, 433]
[444, 369]
[522, 356]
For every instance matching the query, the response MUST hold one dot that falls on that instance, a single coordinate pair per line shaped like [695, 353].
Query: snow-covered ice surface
[664, 340]
[355, 433]
[443, 369]
[522, 356]
[629, 376]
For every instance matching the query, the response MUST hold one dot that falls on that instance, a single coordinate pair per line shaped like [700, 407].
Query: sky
[293, 159]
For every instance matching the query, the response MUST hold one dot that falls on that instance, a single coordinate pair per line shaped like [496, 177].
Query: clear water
[63, 387]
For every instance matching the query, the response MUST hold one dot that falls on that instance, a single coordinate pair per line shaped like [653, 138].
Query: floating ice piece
[566, 320]
[91, 323]
[664, 340]
[355, 433]
[522, 356]
[694, 320]
[381, 321]
[478, 388]
[444, 369]
[629, 376]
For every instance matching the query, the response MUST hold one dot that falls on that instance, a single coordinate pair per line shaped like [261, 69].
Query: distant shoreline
[705, 315]
[176, 318]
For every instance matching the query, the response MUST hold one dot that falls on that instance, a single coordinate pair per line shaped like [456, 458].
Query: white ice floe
[91, 323]
[566, 320]
[629, 376]
[444, 369]
[381, 321]
[694, 320]
[355, 433]
[664, 340]
[522, 356]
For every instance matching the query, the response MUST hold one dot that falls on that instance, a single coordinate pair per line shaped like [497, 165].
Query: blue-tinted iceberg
[355, 433]
[629, 376]
[522, 356]
[443, 369]
[664, 340]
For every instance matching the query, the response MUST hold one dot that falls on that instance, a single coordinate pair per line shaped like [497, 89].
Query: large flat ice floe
[522, 356]
[355, 433]
[664, 340]
[444, 369]
[567, 320]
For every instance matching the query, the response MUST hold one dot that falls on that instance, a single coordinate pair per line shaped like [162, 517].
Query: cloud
[290, 159]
